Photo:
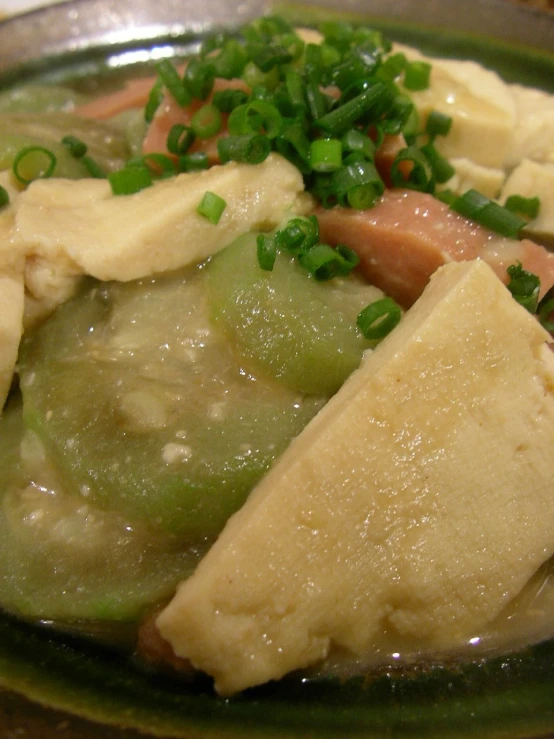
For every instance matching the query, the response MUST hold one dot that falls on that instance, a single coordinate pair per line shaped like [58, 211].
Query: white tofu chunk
[418, 501]
[534, 130]
[470, 176]
[11, 326]
[530, 180]
[126, 237]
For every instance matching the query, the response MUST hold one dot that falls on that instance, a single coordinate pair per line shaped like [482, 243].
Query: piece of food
[11, 326]
[418, 500]
[407, 235]
[533, 180]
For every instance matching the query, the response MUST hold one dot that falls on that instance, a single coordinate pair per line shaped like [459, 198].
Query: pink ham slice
[403, 239]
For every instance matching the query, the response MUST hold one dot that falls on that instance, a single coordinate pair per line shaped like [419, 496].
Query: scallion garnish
[266, 249]
[206, 122]
[524, 286]
[193, 162]
[93, 168]
[378, 319]
[323, 262]
[199, 77]
[488, 213]
[228, 100]
[420, 177]
[528, 207]
[250, 149]
[438, 124]
[154, 100]
[211, 207]
[325, 155]
[298, 235]
[33, 163]
[130, 179]
[173, 83]
[179, 139]
[4, 197]
[441, 167]
[417, 76]
[76, 147]
[338, 121]
[257, 116]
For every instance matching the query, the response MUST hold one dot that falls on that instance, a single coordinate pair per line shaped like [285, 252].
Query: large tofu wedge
[418, 500]
[11, 325]
[157, 229]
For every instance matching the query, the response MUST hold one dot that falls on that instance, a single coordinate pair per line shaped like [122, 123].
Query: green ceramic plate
[53, 686]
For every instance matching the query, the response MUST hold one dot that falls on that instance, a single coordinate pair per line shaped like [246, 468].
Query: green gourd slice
[145, 409]
[283, 322]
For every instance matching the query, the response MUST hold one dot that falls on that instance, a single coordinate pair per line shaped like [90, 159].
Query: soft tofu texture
[11, 323]
[481, 105]
[534, 131]
[418, 500]
[531, 179]
[158, 229]
[471, 176]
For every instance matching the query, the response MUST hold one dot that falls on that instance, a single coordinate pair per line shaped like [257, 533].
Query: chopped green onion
[524, 286]
[76, 147]
[250, 149]
[268, 56]
[421, 176]
[356, 141]
[33, 163]
[162, 165]
[228, 100]
[357, 184]
[179, 139]
[442, 169]
[351, 259]
[545, 310]
[230, 61]
[524, 206]
[257, 116]
[130, 179]
[487, 213]
[211, 207]
[206, 122]
[378, 319]
[299, 235]
[93, 168]
[254, 77]
[338, 121]
[417, 76]
[293, 143]
[438, 124]
[4, 197]
[325, 154]
[199, 78]
[173, 83]
[267, 252]
[323, 262]
[154, 101]
[193, 162]
[393, 66]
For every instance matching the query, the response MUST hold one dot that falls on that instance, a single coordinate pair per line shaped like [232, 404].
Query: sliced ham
[134, 95]
[403, 239]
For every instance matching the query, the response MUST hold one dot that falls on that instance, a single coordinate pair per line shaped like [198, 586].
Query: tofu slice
[157, 229]
[418, 501]
[534, 131]
[470, 176]
[531, 179]
[11, 325]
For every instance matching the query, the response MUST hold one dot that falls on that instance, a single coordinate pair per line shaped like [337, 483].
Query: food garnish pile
[274, 358]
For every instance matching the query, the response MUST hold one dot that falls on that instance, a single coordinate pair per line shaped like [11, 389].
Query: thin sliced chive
[446, 196]
[359, 174]
[296, 89]
[417, 76]
[266, 249]
[227, 100]
[154, 100]
[299, 235]
[421, 175]
[33, 163]
[442, 169]
[545, 310]
[268, 56]
[318, 102]
[173, 83]
[293, 143]
[199, 78]
[325, 155]
[211, 207]
[93, 168]
[393, 66]
[130, 180]
[524, 286]
[254, 77]
[356, 141]
[324, 263]
[378, 319]
[528, 207]
[362, 197]
[206, 122]
[75, 146]
[438, 124]
[231, 60]
[4, 197]
[338, 121]
[194, 162]
[179, 139]
[250, 149]
[481, 209]
[257, 116]
[161, 164]
[351, 259]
